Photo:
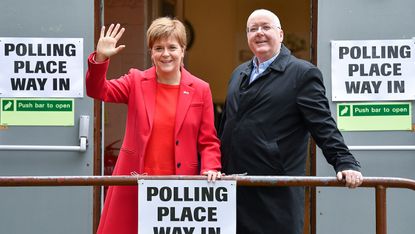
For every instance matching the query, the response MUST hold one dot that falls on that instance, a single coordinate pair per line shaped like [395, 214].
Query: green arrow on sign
[344, 110]
[8, 105]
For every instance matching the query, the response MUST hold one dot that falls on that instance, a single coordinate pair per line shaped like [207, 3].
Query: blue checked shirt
[258, 69]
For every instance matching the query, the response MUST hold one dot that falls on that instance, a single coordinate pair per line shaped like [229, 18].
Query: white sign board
[373, 70]
[41, 67]
[186, 206]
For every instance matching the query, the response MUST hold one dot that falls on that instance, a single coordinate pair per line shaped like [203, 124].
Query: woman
[170, 124]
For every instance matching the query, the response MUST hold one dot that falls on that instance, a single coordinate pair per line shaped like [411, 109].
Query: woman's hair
[165, 27]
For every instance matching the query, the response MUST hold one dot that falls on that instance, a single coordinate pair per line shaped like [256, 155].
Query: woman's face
[167, 56]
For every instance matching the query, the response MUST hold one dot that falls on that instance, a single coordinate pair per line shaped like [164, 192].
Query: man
[274, 102]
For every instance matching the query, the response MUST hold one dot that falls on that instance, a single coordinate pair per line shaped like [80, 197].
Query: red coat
[195, 134]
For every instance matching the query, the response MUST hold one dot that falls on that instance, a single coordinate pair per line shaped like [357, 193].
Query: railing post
[381, 220]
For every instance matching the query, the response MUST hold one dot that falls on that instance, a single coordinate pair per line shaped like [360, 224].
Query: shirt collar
[264, 65]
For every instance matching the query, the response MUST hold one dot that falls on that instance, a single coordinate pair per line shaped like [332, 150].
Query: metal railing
[379, 183]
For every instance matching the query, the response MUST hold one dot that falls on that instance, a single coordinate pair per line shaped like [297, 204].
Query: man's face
[264, 37]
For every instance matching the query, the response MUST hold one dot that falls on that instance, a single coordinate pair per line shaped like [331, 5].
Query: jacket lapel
[184, 99]
[237, 84]
[249, 92]
[149, 85]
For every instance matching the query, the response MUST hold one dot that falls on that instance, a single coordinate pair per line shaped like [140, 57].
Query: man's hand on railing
[352, 178]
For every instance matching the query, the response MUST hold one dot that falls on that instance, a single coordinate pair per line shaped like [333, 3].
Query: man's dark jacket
[265, 129]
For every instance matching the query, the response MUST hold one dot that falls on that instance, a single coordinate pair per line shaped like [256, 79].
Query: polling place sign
[186, 207]
[373, 70]
[41, 67]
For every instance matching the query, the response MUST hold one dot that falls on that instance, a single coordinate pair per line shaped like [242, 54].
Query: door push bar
[83, 141]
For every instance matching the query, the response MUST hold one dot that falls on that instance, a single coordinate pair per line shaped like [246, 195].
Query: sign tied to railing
[186, 207]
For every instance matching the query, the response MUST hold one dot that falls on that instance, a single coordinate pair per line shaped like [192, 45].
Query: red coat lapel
[186, 92]
[149, 85]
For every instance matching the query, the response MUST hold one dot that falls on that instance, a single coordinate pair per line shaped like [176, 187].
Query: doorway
[217, 44]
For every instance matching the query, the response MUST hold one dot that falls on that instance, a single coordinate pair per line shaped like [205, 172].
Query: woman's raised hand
[107, 43]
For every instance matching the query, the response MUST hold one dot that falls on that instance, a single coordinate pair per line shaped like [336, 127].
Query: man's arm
[314, 106]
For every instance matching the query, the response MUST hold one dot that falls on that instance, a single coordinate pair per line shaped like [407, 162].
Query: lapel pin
[185, 92]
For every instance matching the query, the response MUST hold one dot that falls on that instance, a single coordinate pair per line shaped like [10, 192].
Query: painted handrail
[314, 181]
[379, 183]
